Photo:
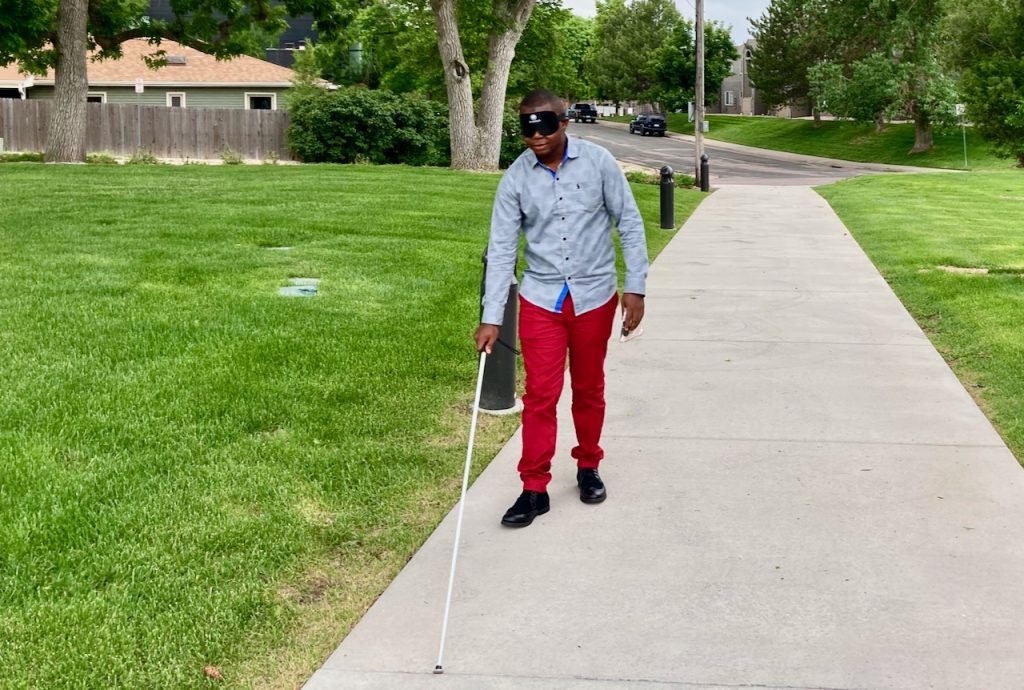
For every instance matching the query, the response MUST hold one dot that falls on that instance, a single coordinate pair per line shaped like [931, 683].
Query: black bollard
[498, 391]
[668, 203]
[705, 183]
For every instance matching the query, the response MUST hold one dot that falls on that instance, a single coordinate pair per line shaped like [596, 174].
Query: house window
[730, 98]
[96, 97]
[261, 101]
[175, 100]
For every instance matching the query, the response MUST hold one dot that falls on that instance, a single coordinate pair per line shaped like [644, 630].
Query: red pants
[545, 338]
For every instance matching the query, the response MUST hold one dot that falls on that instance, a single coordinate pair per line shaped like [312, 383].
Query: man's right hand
[486, 335]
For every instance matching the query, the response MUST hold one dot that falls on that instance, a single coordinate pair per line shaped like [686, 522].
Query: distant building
[738, 96]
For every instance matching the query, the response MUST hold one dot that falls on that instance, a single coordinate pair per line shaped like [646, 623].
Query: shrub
[230, 157]
[376, 126]
[100, 159]
[30, 157]
[511, 141]
[141, 157]
[644, 177]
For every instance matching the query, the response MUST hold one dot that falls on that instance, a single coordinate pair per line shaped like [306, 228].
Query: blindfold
[546, 122]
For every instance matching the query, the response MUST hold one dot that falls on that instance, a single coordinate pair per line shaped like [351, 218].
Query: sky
[732, 13]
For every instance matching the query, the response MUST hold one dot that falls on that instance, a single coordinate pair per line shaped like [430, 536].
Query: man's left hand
[632, 310]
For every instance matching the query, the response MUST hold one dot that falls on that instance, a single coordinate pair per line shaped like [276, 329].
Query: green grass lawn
[851, 141]
[196, 471]
[846, 141]
[912, 225]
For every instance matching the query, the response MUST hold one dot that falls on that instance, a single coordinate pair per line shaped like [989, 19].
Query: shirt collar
[572, 150]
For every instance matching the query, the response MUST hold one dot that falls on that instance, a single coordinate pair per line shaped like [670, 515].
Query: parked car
[648, 123]
[583, 112]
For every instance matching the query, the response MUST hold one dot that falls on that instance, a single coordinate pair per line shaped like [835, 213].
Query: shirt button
[563, 239]
[563, 217]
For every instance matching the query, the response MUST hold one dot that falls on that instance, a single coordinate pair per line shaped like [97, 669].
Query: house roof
[192, 68]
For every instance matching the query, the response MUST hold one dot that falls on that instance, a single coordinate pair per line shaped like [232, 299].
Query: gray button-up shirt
[567, 219]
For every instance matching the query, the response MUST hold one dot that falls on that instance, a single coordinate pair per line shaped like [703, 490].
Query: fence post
[498, 394]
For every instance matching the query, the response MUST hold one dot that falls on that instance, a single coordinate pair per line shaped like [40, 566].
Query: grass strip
[195, 471]
[918, 229]
[850, 141]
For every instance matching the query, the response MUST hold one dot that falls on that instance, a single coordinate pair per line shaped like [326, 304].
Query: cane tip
[438, 669]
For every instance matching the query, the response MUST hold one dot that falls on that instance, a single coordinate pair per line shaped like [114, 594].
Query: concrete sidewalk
[801, 495]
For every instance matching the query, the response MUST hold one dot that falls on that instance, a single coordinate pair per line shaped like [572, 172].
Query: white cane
[462, 504]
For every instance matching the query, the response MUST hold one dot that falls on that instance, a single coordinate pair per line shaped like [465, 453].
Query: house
[190, 79]
[738, 95]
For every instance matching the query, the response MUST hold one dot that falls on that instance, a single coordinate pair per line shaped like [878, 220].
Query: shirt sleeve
[502, 249]
[618, 199]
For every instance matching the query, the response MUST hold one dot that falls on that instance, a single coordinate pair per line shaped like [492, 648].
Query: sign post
[961, 111]
[139, 88]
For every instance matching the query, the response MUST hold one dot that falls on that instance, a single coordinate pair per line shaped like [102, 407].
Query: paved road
[730, 164]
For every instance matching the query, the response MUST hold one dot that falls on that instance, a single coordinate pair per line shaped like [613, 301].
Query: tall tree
[988, 48]
[551, 52]
[397, 49]
[676, 63]
[621, 64]
[790, 40]
[884, 61]
[465, 51]
[476, 124]
[60, 33]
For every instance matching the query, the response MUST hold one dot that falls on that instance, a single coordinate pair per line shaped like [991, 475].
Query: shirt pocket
[584, 196]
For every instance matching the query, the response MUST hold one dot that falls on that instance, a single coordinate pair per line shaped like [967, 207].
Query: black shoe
[591, 486]
[529, 505]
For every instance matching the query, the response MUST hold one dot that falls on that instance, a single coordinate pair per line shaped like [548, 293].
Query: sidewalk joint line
[650, 681]
[926, 343]
[731, 439]
[653, 294]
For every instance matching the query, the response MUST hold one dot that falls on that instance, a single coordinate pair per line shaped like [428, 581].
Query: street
[728, 166]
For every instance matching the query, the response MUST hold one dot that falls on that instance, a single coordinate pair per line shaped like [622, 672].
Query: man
[563, 195]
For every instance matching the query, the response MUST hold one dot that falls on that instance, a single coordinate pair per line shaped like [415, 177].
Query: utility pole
[698, 105]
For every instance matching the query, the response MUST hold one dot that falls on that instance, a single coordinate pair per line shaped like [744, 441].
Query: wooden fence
[192, 133]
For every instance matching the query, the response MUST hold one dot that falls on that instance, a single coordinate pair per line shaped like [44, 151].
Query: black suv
[583, 112]
[648, 123]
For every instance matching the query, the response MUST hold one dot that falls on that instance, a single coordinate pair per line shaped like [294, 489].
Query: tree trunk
[879, 121]
[65, 140]
[476, 142]
[922, 133]
[817, 117]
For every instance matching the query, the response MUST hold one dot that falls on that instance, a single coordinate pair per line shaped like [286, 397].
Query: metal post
[498, 395]
[668, 203]
[698, 99]
[705, 182]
